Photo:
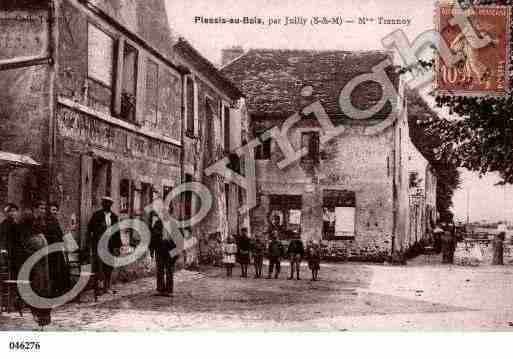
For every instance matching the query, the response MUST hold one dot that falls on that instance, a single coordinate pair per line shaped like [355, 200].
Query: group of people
[21, 237]
[242, 249]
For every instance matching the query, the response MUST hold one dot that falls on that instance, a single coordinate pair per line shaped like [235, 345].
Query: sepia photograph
[267, 167]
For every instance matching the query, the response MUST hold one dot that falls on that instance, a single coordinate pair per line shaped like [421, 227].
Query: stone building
[349, 191]
[98, 95]
[215, 121]
[95, 96]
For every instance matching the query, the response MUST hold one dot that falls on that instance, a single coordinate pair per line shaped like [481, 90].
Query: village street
[420, 296]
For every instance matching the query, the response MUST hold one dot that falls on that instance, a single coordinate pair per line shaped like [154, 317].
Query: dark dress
[314, 257]
[33, 240]
[59, 276]
[244, 246]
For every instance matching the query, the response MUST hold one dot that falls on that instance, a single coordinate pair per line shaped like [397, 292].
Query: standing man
[166, 255]
[244, 246]
[295, 252]
[100, 222]
[163, 260]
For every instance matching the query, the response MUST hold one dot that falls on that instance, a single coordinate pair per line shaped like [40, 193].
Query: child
[244, 246]
[229, 250]
[314, 259]
[295, 252]
[258, 251]
[275, 254]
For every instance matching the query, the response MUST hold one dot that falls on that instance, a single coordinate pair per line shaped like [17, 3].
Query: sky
[486, 200]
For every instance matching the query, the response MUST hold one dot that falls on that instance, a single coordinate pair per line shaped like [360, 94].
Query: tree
[481, 140]
[420, 119]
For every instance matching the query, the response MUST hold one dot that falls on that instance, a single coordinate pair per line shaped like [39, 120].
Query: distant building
[351, 193]
[422, 193]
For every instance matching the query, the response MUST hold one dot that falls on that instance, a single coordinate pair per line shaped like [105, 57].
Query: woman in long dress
[33, 240]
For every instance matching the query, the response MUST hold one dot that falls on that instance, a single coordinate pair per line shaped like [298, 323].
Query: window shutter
[115, 185]
[222, 124]
[315, 146]
[196, 108]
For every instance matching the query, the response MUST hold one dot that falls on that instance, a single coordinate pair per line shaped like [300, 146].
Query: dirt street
[421, 296]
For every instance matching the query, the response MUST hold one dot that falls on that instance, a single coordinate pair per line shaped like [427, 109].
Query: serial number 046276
[24, 346]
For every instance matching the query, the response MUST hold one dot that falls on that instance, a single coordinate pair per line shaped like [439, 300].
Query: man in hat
[100, 222]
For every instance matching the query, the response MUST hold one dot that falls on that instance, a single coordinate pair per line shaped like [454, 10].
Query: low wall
[480, 251]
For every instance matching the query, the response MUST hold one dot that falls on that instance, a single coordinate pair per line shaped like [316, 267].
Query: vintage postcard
[286, 166]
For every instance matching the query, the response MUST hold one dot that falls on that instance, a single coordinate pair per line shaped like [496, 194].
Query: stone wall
[480, 252]
[352, 162]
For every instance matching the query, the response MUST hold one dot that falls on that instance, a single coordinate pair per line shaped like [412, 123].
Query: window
[339, 214]
[192, 110]
[288, 209]
[100, 56]
[310, 141]
[190, 107]
[166, 190]
[263, 151]
[129, 83]
[152, 93]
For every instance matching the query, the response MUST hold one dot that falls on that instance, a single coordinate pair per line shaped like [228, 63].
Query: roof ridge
[233, 60]
[383, 51]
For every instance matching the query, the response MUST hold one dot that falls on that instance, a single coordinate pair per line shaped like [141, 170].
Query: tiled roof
[194, 57]
[272, 79]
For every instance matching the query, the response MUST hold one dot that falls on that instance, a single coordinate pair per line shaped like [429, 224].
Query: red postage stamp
[478, 41]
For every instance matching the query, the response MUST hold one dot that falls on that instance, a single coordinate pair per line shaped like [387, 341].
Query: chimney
[230, 54]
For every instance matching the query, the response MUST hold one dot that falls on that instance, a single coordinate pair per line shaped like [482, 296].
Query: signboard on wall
[344, 221]
[23, 34]
[100, 55]
[85, 128]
